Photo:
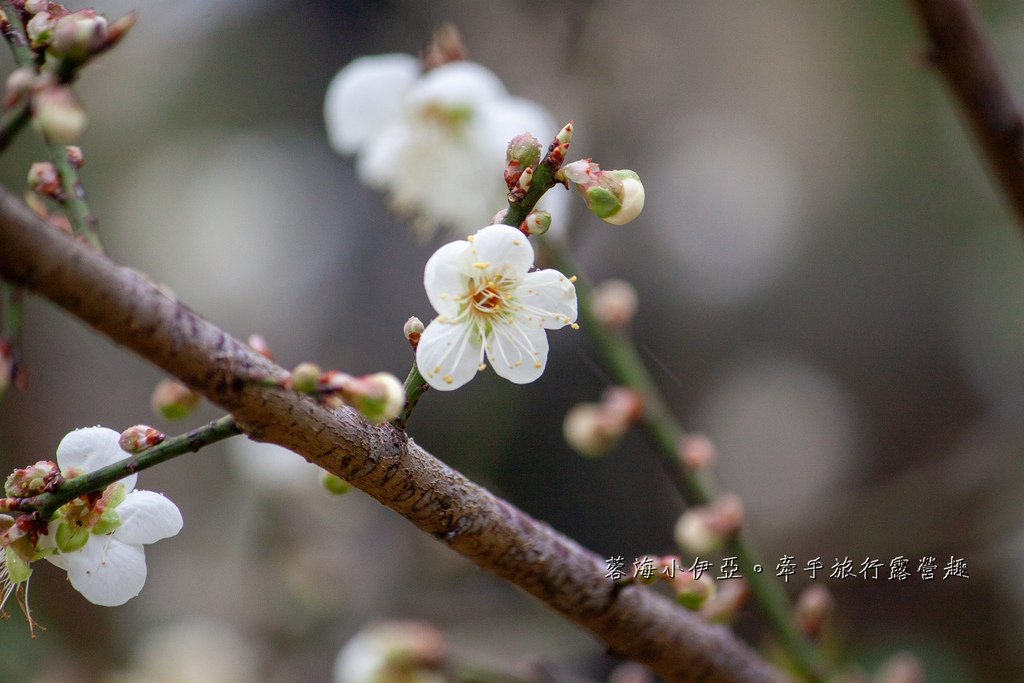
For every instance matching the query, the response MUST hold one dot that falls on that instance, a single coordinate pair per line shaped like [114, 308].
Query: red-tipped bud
[173, 400]
[43, 178]
[140, 437]
[614, 303]
[32, 480]
[537, 223]
[58, 113]
[413, 330]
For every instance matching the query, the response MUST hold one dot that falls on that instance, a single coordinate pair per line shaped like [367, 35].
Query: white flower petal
[106, 571]
[91, 448]
[518, 353]
[456, 85]
[147, 517]
[382, 158]
[547, 298]
[365, 96]
[448, 354]
[504, 250]
[445, 276]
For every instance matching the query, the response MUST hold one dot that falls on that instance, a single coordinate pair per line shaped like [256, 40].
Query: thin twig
[47, 503]
[83, 221]
[378, 459]
[959, 48]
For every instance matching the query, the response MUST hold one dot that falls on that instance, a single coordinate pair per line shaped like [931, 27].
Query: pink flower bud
[43, 178]
[258, 344]
[36, 6]
[615, 303]
[140, 437]
[696, 451]
[585, 430]
[173, 400]
[727, 601]
[813, 608]
[691, 592]
[75, 157]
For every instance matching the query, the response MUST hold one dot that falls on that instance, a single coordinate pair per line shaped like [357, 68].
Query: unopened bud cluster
[32, 480]
[593, 429]
[378, 397]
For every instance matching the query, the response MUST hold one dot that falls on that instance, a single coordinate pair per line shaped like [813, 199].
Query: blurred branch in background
[959, 48]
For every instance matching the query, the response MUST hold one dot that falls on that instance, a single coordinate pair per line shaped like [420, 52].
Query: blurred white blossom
[436, 141]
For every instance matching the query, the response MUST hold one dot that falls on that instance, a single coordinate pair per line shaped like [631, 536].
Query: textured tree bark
[959, 49]
[633, 622]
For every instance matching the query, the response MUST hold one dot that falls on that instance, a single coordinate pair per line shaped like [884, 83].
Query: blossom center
[488, 296]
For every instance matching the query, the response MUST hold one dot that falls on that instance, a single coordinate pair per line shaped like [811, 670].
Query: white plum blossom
[436, 141]
[98, 539]
[490, 303]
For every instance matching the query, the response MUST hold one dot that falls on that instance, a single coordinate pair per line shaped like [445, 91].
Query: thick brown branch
[959, 48]
[381, 460]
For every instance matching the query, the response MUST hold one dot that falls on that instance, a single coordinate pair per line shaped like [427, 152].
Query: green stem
[626, 365]
[415, 386]
[47, 503]
[73, 196]
[12, 121]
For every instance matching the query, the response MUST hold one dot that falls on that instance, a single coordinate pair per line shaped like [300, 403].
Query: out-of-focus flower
[98, 539]
[436, 140]
[489, 303]
[392, 652]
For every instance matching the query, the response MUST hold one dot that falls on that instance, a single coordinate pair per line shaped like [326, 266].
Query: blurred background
[830, 288]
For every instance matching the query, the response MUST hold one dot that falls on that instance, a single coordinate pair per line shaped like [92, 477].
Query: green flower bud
[334, 484]
[173, 400]
[306, 377]
[18, 569]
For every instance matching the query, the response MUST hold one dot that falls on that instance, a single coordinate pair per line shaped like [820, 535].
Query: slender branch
[378, 459]
[958, 47]
[415, 387]
[73, 196]
[12, 121]
[47, 503]
[625, 363]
